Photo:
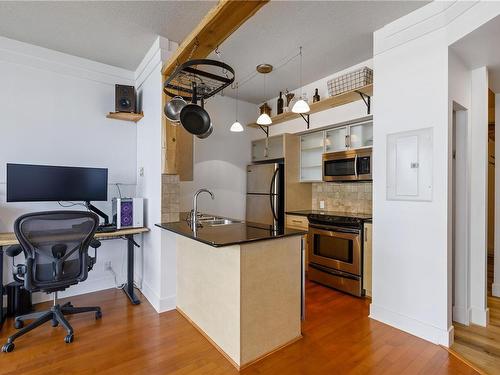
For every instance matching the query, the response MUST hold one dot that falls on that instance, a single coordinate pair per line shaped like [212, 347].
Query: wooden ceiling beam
[219, 23]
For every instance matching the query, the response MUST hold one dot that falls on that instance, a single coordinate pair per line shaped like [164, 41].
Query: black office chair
[55, 245]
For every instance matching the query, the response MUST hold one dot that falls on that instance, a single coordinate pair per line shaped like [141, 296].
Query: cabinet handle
[296, 221]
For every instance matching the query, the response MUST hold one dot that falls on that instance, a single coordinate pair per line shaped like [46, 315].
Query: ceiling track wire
[278, 66]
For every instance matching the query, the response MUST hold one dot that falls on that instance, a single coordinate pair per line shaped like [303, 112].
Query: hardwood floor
[481, 345]
[339, 338]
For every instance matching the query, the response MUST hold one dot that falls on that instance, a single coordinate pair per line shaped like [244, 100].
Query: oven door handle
[332, 229]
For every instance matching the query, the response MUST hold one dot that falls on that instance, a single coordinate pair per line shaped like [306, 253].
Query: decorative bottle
[280, 104]
[316, 96]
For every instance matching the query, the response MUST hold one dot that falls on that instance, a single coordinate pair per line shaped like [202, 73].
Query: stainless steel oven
[350, 165]
[336, 253]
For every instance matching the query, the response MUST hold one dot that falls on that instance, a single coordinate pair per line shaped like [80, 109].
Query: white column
[496, 276]
[478, 196]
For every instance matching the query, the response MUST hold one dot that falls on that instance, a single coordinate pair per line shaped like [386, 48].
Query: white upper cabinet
[311, 151]
[313, 145]
[361, 135]
[337, 139]
[267, 149]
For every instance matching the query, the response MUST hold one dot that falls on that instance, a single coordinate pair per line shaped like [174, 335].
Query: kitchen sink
[213, 222]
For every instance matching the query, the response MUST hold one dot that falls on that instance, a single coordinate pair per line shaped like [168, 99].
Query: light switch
[322, 204]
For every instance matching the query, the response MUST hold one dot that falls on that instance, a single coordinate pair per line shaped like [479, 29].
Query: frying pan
[194, 118]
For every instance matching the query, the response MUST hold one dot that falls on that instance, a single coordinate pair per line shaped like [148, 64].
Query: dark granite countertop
[230, 234]
[364, 217]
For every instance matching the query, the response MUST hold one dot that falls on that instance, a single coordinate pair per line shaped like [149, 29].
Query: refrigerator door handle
[272, 196]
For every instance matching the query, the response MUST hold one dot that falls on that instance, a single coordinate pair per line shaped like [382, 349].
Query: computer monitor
[43, 183]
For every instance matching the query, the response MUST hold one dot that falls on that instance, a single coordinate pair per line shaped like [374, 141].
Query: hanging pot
[173, 108]
[194, 118]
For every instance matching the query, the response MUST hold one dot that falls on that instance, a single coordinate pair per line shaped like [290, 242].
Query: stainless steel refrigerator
[265, 194]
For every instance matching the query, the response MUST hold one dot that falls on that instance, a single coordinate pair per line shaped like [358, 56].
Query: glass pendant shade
[300, 106]
[236, 127]
[264, 119]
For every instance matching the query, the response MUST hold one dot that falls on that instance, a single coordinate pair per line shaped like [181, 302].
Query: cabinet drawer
[297, 221]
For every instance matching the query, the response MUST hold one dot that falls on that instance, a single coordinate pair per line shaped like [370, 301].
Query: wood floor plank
[339, 338]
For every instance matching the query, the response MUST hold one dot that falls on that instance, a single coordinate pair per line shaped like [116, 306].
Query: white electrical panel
[409, 165]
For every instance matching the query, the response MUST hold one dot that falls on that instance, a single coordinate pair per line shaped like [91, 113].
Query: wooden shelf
[322, 105]
[125, 116]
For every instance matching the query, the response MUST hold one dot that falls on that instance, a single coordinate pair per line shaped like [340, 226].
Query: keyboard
[106, 228]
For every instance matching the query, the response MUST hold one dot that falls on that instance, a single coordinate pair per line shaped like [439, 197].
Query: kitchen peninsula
[240, 284]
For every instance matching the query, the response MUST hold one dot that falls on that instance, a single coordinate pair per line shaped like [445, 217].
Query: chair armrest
[14, 250]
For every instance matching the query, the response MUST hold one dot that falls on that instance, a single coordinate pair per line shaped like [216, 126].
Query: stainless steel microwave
[350, 165]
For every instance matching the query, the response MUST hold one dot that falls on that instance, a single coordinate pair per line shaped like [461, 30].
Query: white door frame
[461, 214]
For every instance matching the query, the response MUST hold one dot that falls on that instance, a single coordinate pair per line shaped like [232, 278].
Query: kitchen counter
[229, 234]
[364, 217]
[241, 285]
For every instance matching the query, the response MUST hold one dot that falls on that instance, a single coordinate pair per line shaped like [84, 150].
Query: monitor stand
[93, 208]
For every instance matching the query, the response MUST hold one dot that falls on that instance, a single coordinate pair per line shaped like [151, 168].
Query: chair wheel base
[18, 324]
[69, 339]
[7, 348]
[55, 323]
[98, 315]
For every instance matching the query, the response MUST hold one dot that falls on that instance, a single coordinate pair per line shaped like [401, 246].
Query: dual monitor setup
[44, 183]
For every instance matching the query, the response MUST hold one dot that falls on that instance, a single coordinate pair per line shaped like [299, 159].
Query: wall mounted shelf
[125, 116]
[363, 93]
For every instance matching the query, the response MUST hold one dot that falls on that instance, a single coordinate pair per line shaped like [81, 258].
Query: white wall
[410, 287]
[220, 160]
[158, 283]
[479, 196]
[54, 108]
[496, 267]
[411, 240]
[459, 92]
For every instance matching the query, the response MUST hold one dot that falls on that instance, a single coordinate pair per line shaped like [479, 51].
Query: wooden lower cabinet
[367, 259]
[300, 222]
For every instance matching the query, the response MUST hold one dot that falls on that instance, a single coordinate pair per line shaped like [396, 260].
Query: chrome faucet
[194, 212]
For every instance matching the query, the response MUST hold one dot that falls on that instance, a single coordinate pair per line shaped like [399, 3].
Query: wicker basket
[350, 81]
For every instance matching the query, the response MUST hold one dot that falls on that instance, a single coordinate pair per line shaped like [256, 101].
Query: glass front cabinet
[313, 145]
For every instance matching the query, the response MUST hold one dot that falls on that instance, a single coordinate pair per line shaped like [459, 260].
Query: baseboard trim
[225, 355]
[495, 290]
[461, 315]
[159, 304]
[480, 317]
[412, 326]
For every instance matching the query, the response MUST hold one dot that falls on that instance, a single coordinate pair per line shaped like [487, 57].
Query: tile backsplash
[343, 196]
[170, 198]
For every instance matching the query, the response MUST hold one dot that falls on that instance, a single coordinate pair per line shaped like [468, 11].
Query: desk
[7, 239]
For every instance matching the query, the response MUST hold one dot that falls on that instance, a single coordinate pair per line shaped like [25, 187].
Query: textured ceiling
[334, 36]
[118, 33]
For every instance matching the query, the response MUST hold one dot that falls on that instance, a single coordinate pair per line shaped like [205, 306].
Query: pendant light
[264, 118]
[301, 105]
[236, 127]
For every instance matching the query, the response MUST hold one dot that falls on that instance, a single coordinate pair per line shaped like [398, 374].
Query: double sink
[214, 221]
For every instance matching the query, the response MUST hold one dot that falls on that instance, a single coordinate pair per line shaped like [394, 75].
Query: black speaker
[125, 98]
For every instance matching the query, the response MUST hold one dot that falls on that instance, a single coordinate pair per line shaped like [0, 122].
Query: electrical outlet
[322, 204]
[141, 171]
[107, 265]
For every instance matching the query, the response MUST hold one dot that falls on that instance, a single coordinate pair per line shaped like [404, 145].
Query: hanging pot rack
[200, 71]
